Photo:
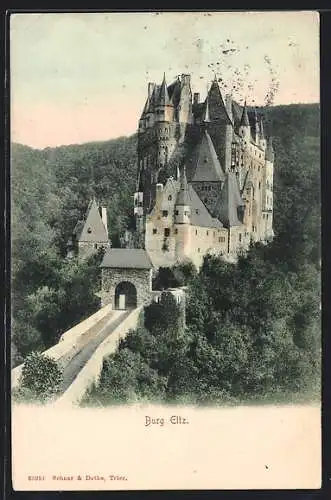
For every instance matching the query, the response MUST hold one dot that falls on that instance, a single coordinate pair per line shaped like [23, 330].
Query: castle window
[267, 216]
[176, 212]
[176, 231]
[196, 231]
[89, 230]
[95, 245]
[167, 232]
[199, 250]
[169, 197]
[239, 236]
[164, 213]
[135, 202]
[207, 232]
[259, 185]
[154, 231]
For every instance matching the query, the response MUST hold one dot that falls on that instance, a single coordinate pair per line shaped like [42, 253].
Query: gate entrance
[125, 296]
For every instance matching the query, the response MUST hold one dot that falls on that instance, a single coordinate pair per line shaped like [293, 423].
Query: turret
[163, 106]
[183, 202]
[244, 127]
[183, 219]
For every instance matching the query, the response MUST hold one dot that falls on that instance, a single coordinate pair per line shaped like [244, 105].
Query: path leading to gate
[73, 362]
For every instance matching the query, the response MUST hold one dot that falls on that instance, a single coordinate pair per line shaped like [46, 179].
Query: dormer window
[89, 230]
[169, 197]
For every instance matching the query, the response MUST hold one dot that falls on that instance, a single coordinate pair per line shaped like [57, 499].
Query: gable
[92, 228]
[206, 166]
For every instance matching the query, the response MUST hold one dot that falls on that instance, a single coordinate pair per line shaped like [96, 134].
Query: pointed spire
[183, 197]
[244, 117]
[163, 94]
[229, 202]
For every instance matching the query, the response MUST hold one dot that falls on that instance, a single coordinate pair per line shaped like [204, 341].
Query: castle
[205, 175]
[204, 185]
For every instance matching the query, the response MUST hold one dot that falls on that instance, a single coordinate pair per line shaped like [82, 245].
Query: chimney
[104, 218]
[196, 98]
[150, 89]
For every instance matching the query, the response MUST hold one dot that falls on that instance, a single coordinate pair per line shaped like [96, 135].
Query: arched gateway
[126, 278]
[125, 296]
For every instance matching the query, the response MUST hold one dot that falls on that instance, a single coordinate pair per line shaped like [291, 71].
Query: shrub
[41, 378]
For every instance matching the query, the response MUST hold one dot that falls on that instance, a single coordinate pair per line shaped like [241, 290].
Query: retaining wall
[91, 371]
[66, 340]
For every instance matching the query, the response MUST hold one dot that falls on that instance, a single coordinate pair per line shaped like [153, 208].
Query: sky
[80, 77]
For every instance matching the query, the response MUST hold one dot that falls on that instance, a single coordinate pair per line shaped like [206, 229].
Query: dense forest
[235, 343]
[50, 191]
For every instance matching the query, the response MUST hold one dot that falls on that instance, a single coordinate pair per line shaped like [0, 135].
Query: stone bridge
[81, 350]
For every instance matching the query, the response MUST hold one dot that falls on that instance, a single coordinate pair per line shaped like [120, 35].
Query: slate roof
[174, 91]
[133, 258]
[199, 213]
[244, 118]
[229, 201]
[237, 111]
[163, 96]
[205, 164]
[91, 228]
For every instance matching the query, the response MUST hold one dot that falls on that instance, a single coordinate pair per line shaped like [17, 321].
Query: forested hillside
[50, 191]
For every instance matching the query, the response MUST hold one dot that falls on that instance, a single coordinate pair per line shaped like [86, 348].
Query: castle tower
[182, 219]
[162, 126]
[91, 233]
